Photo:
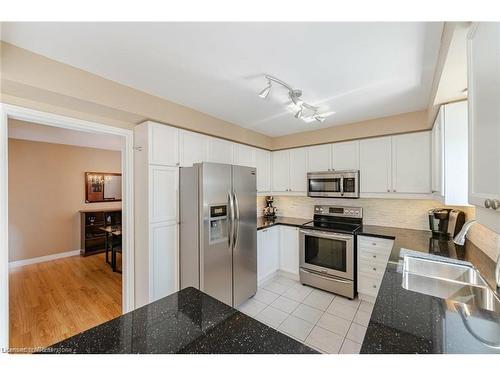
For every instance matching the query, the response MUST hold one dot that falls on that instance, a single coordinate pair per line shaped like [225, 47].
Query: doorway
[71, 264]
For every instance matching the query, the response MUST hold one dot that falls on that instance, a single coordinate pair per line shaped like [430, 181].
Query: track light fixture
[297, 105]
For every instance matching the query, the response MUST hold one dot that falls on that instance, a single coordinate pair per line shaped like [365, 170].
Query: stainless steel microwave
[333, 184]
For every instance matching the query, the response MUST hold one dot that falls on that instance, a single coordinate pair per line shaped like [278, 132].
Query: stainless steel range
[327, 249]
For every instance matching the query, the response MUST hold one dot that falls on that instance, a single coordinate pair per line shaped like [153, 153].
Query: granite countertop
[188, 321]
[264, 222]
[405, 321]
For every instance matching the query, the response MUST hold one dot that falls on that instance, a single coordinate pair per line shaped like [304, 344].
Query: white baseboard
[271, 276]
[290, 275]
[267, 278]
[45, 258]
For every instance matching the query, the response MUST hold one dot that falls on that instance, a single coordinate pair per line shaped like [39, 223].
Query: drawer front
[373, 257]
[368, 285]
[371, 269]
[376, 244]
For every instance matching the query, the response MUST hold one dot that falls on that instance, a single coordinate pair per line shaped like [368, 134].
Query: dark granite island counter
[405, 321]
[188, 321]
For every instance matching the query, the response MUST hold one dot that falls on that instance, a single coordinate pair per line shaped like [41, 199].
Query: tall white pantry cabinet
[156, 165]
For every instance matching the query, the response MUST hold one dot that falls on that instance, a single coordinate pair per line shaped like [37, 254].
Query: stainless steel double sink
[459, 283]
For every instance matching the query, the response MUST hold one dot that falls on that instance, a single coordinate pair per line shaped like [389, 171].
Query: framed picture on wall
[103, 187]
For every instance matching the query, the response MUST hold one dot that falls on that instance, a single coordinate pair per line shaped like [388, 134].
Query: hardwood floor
[51, 301]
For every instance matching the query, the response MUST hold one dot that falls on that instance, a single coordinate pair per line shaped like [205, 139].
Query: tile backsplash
[485, 239]
[401, 213]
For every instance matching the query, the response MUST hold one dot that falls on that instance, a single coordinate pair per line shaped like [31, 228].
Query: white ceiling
[359, 70]
[42, 133]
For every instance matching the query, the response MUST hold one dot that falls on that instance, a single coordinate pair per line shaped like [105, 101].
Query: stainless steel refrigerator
[218, 231]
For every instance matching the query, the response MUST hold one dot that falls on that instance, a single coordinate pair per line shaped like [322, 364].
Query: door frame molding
[7, 112]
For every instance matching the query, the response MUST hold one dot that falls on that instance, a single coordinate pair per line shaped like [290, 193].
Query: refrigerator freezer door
[245, 234]
[215, 257]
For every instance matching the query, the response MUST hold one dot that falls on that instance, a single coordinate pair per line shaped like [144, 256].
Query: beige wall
[402, 123]
[38, 82]
[46, 191]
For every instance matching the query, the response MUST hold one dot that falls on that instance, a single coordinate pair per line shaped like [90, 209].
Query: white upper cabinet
[298, 169]
[319, 158]
[375, 165]
[263, 165]
[484, 117]
[220, 151]
[289, 170]
[193, 148]
[411, 156]
[456, 162]
[244, 155]
[163, 144]
[280, 171]
[437, 154]
[345, 155]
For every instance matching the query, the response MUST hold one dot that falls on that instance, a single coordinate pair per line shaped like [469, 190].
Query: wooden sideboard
[92, 238]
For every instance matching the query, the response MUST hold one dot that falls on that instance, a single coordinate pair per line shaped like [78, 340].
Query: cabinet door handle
[374, 269]
[374, 286]
[487, 203]
[388, 190]
[374, 243]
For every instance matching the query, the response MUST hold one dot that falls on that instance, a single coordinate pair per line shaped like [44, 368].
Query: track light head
[265, 93]
[299, 113]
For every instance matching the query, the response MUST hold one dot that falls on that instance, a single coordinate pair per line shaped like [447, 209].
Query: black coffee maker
[445, 222]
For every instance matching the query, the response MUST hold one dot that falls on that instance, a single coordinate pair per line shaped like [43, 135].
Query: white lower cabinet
[289, 249]
[164, 261]
[268, 253]
[277, 250]
[373, 255]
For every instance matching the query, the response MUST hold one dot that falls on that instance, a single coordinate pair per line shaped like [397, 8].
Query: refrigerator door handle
[230, 220]
[236, 222]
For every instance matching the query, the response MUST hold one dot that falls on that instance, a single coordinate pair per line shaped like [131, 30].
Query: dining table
[111, 231]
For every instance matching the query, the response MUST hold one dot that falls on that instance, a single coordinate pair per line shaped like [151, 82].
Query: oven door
[328, 253]
[324, 185]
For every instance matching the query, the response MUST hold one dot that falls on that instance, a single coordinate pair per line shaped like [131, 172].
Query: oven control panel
[342, 211]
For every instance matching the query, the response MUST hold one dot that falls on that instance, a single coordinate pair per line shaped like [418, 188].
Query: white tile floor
[322, 320]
